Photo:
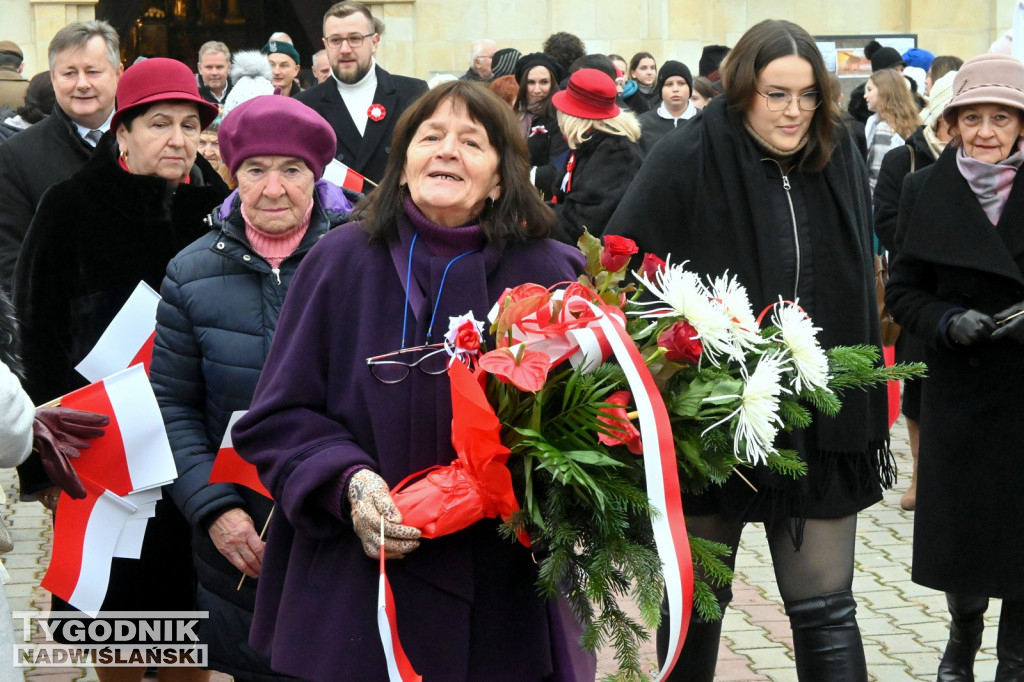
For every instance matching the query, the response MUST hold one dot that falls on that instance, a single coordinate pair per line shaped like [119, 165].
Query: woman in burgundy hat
[604, 154]
[139, 200]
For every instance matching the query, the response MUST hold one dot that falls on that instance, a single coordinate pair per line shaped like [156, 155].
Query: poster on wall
[844, 54]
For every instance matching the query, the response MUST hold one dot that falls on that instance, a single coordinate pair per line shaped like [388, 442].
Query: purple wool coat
[467, 603]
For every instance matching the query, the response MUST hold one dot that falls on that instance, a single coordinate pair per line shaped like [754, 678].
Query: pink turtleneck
[274, 248]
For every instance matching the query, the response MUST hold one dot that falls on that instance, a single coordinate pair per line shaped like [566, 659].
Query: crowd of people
[281, 290]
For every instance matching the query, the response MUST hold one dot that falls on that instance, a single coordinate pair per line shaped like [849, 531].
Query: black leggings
[823, 565]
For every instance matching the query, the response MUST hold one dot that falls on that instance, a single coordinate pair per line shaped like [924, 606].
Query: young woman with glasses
[773, 190]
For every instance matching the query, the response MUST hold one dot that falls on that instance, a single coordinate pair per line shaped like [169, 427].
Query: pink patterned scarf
[990, 182]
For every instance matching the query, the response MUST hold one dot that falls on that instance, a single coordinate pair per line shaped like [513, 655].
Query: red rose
[651, 266]
[467, 337]
[681, 343]
[616, 252]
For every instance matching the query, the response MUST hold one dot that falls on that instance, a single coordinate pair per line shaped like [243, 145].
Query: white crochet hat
[942, 92]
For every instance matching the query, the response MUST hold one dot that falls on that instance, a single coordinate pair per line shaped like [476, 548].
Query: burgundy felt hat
[158, 80]
[271, 125]
[590, 94]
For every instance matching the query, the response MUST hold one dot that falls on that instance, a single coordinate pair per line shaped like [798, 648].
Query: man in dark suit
[86, 66]
[361, 101]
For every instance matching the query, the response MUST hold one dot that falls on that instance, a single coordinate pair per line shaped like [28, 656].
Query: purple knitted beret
[271, 125]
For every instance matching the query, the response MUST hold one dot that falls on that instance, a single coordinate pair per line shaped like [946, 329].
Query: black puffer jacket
[604, 166]
[219, 309]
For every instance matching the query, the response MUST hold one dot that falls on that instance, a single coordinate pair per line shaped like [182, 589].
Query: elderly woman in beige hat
[958, 283]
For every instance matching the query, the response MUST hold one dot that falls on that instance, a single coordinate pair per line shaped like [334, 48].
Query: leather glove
[1010, 323]
[970, 327]
[59, 434]
[370, 499]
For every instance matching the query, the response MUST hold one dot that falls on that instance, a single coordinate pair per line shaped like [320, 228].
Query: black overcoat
[970, 511]
[94, 237]
[366, 154]
[30, 163]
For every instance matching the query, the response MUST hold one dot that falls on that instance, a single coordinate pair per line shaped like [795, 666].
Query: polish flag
[84, 536]
[399, 667]
[128, 340]
[229, 467]
[343, 176]
[134, 453]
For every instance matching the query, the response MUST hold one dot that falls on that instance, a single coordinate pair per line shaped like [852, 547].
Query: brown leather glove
[59, 434]
[370, 499]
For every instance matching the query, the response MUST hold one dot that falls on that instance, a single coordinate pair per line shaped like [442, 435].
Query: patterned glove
[370, 499]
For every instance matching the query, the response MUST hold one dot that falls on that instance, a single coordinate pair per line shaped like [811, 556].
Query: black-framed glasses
[778, 101]
[393, 368]
[354, 40]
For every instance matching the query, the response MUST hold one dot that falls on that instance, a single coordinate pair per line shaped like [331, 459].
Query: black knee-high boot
[967, 622]
[826, 639]
[1010, 644]
[699, 656]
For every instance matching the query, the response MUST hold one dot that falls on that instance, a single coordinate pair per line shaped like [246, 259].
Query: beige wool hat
[942, 92]
[988, 79]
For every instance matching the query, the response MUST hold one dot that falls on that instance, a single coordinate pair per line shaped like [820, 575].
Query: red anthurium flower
[525, 369]
[617, 252]
[681, 343]
[520, 303]
[651, 266]
[622, 430]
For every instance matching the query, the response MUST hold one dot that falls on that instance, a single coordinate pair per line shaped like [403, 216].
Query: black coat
[655, 127]
[605, 165]
[970, 510]
[545, 144]
[219, 306]
[93, 238]
[895, 167]
[726, 208]
[30, 163]
[366, 154]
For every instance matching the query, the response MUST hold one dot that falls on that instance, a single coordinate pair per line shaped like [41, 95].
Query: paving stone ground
[904, 625]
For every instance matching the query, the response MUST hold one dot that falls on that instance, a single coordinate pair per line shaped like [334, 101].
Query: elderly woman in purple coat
[453, 223]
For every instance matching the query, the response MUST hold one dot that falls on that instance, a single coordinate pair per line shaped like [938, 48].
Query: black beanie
[673, 68]
[710, 59]
[886, 58]
[528, 61]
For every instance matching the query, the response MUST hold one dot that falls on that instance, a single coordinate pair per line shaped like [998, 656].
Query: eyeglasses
[354, 40]
[393, 368]
[778, 101]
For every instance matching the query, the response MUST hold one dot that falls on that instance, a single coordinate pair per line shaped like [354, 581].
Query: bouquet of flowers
[545, 427]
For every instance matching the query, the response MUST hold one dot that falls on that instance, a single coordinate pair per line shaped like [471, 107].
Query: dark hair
[9, 60]
[341, 10]
[703, 86]
[518, 215]
[635, 62]
[616, 57]
[943, 64]
[762, 44]
[565, 48]
[523, 98]
[39, 98]
[594, 61]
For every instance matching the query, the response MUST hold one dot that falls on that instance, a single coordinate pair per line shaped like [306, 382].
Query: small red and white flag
[229, 467]
[133, 454]
[84, 536]
[399, 667]
[343, 176]
[128, 340]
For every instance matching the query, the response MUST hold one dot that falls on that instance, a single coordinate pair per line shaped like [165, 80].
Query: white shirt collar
[83, 131]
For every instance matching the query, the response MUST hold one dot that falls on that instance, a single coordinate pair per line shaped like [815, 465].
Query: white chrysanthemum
[800, 337]
[689, 298]
[759, 421]
[733, 297]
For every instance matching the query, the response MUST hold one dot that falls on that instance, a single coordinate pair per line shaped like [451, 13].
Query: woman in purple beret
[453, 223]
[219, 306]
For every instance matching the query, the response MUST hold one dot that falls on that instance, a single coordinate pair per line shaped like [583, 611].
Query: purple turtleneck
[444, 242]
